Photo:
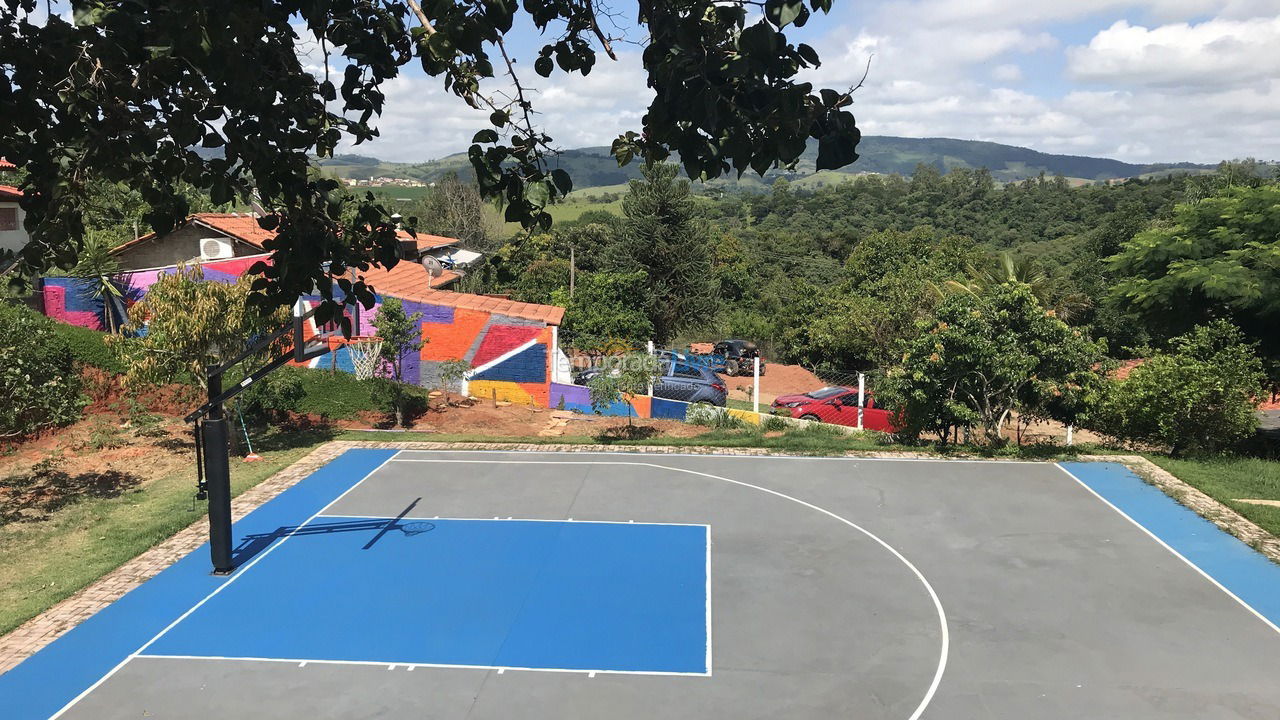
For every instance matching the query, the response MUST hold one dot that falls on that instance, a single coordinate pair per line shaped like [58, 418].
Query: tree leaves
[139, 85]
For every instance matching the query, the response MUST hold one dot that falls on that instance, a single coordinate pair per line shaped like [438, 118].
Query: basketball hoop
[364, 351]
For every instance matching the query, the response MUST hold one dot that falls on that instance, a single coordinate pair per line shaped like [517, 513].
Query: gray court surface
[841, 588]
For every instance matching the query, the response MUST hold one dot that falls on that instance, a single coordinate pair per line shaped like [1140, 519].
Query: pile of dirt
[107, 394]
[777, 380]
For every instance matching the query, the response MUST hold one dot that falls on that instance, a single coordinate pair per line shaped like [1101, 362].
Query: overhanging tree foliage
[132, 89]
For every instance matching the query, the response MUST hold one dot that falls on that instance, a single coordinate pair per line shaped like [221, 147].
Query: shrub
[1198, 397]
[274, 397]
[39, 382]
[985, 356]
[89, 347]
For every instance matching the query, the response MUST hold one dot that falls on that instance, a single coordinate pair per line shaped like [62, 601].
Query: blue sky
[1144, 81]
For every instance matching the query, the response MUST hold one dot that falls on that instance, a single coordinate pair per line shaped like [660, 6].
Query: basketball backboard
[312, 339]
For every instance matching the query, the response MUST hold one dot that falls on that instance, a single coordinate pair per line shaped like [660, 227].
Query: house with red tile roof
[208, 237]
[13, 236]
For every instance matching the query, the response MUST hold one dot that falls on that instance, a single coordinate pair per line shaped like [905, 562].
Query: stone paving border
[43, 629]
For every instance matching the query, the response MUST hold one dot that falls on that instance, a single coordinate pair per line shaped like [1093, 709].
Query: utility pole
[572, 270]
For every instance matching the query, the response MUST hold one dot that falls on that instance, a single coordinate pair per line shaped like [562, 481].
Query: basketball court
[430, 584]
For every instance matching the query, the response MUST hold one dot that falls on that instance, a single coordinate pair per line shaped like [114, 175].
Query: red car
[836, 405]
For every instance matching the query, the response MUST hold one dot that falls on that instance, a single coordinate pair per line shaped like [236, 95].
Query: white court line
[511, 519]
[1176, 554]
[634, 453]
[708, 596]
[236, 576]
[410, 666]
[937, 603]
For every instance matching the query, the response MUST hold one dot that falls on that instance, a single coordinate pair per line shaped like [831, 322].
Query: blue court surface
[482, 586]
[626, 597]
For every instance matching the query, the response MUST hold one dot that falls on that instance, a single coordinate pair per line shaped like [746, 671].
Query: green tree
[985, 357]
[606, 308]
[663, 237]
[1218, 258]
[1198, 397]
[401, 336]
[139, 86]
[452, 373]
[1021, 270]
[39, 381]
[541, 280]
[620, 376]
[189, 324]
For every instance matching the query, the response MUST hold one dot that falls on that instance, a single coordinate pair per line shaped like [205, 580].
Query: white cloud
[1007, 72]
[1215, 53]
[1198, 84]
[423, 121]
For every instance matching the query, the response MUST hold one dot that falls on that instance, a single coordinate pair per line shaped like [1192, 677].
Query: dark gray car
[680, 380]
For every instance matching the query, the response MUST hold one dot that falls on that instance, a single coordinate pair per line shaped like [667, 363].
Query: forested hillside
[837, 276]
[594, 166]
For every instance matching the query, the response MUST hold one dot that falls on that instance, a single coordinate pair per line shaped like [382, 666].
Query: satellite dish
[433, 266]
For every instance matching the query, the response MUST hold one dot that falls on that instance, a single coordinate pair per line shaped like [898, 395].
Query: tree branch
[595, 27]
[422, 17]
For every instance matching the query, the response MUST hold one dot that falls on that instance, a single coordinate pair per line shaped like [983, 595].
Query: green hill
[594, 167]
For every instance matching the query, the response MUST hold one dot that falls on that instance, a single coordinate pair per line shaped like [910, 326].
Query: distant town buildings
[383, 181]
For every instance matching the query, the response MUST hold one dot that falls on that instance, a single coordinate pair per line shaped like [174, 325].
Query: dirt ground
[777, 380]
[506, 420]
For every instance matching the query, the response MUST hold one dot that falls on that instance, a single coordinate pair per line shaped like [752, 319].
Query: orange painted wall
[452, 340]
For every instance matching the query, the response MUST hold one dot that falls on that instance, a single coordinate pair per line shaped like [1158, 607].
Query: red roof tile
[9, 192]
[424, 242]
[242, 227]
[406, 281]
[6, 165]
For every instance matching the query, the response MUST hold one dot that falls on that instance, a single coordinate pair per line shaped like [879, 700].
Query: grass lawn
[44, 562]
[1230, 479]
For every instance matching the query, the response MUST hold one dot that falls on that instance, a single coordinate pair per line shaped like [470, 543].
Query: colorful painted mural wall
[73, 300]
[508, 356]
[577, 398]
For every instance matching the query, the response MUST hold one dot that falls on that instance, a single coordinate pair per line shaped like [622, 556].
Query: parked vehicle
[837, 405]
[732, 357]
[682, 378]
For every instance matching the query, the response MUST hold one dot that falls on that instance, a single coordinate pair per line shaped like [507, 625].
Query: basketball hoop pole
[212, 425]
[217, 473]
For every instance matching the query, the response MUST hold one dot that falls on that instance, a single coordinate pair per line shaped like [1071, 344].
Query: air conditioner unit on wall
[216, 249]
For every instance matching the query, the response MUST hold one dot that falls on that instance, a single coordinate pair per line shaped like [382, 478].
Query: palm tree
[1026, 272]
[98, 266]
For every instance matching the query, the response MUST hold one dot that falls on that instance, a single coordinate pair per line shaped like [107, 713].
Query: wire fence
[733, 374]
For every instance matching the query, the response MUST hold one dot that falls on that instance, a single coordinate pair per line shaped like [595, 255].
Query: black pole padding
[217, 475]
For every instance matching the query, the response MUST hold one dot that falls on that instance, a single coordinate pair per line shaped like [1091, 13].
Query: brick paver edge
[31, 636]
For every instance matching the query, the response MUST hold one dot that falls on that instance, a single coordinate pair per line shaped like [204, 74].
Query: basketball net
[364, 354]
